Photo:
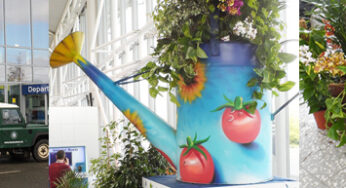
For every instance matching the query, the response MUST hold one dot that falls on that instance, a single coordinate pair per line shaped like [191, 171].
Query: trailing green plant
[125, 170]
[336, 115]
[71, 179]
[182, 26]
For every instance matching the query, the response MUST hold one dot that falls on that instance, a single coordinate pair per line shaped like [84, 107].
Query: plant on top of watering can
[182, 26]
[125, 170]
[323, 62]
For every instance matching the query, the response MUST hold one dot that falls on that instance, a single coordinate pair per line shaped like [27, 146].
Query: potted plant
[314, 86]
[125, 170]
[208, 49]
[71, 180]
[183, 26]
[224, 57]
[322, 66]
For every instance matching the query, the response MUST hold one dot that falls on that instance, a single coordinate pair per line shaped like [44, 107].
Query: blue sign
[35, 89]
[76, 156]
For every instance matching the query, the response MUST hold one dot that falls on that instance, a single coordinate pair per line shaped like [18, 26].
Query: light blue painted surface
[227, 74]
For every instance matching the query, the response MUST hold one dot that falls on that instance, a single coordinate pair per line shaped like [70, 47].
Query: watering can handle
[283, 106]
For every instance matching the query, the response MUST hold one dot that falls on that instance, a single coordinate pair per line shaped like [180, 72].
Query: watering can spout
[159, 133]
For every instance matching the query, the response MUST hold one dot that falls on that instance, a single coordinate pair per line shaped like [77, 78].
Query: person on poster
[59, 168]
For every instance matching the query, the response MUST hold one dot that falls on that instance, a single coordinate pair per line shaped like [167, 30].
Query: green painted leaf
[238, 103]
[199, 150]
[228, 100]
[251, 108]
[220, 108]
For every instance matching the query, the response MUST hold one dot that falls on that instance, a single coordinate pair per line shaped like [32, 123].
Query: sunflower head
[190, 91]
[135, 120]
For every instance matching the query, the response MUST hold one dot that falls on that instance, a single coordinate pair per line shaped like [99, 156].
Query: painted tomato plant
[196, 164]
[241, 121]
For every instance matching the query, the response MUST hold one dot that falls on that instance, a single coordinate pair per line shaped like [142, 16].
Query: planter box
[170, 182]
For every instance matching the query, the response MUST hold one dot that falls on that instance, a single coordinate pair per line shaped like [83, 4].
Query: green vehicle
[19, 138]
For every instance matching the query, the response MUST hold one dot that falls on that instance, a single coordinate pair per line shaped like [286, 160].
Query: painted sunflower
[136, 120]
[189, 92]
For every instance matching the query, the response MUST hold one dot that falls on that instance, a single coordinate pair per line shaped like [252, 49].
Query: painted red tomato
[241, 126]
[196, 164]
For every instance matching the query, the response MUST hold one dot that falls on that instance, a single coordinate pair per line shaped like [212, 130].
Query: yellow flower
[233, 11]
[190, 92]
[331, 63]
[230, 3]
[222, 7]
[135, 120]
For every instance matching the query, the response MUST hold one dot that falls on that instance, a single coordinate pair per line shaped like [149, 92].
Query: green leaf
[153, 92]
[286, 57]
[257, 95]
[211, 8]
[264, 105]
[162, 88]
[252, 82]
[265, 12]
[253, 14]
[319, 45]
[174, 99]
[342, 139]
[280, 74]
[286, 86]
[275, 93]
[153, 81]
[342, 68]
[252, 4]
[333, 130]
[191, 53]
[186, 30]
[201, 54]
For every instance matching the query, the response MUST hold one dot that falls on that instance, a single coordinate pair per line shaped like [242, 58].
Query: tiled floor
[322, 165]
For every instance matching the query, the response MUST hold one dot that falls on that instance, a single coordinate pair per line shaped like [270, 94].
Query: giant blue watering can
[218, 139]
